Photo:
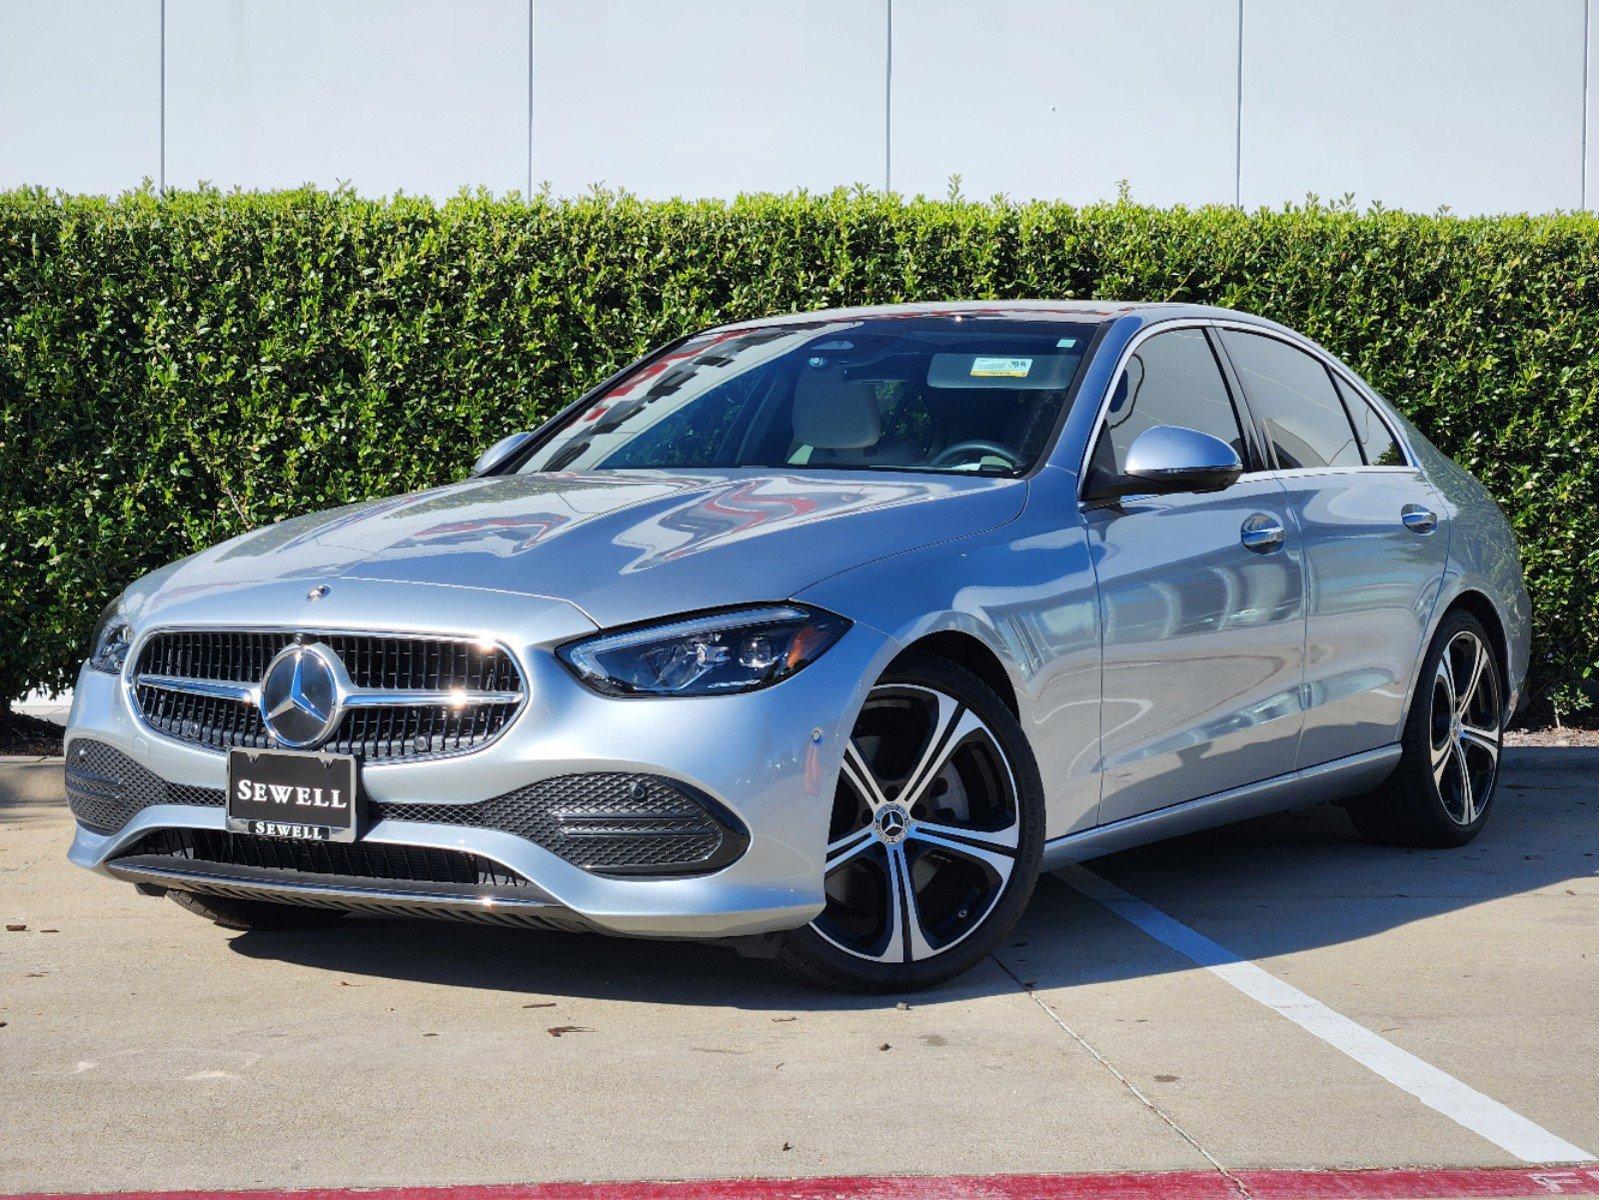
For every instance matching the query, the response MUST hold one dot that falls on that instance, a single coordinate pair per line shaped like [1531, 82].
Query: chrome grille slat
[413, 697]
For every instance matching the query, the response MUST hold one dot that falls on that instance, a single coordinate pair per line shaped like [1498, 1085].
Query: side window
[1173, 379]
[1375, 439]
[1294, 398]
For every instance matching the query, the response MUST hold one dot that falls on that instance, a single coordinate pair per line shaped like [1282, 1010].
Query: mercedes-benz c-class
[823, 635]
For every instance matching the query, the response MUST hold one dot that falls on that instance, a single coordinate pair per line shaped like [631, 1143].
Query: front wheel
[935, 840]
[1441, 792]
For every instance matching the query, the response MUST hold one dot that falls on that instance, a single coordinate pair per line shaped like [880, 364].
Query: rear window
[1376, 441]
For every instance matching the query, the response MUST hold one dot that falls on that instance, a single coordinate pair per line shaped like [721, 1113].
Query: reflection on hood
[622, 546]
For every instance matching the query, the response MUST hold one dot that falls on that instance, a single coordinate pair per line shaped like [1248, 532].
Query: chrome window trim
[1288, 337]
[353, 698]
[1298, 472]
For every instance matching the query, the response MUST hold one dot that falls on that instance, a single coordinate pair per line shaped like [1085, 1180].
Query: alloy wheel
[925, 829]
[1465, 727]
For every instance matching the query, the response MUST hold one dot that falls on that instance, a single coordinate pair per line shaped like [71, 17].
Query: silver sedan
[823, 635]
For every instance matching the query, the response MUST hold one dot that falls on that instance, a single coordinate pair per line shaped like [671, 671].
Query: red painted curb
[1410, 1184]
[1418, 1184]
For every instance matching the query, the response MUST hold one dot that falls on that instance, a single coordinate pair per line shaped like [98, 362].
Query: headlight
[705, 656]
[108, 649]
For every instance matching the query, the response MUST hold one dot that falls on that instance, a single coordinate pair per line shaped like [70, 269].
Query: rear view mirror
[497, 454]
[1169, 458]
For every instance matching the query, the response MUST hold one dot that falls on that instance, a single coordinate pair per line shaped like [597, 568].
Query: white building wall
[709, 97]
[1062, 99]
[1477, 104]
[419, 95]
[80, 93]
[1483, 105]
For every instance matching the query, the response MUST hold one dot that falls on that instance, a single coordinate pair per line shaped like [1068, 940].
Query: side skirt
[1298, 789]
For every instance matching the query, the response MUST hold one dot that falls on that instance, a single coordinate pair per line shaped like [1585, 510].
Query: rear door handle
[1261, 533]
[1418, 518]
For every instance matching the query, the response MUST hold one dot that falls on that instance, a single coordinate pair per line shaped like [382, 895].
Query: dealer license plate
[293, 794]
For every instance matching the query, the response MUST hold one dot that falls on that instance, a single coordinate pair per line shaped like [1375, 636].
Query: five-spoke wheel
[935, 834]
[1465, 726]
[1439, 793]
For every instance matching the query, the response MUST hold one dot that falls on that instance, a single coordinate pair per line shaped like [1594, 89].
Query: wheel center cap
[892, 822]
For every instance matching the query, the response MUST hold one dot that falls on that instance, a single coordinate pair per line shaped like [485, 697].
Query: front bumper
[769, 757]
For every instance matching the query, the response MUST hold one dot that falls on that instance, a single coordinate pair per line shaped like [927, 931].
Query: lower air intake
[608, 823]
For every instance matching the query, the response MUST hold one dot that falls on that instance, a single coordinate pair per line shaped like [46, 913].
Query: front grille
[347, 860]
[605, 822]
[202, 720]
[373, 661]
[400, 728]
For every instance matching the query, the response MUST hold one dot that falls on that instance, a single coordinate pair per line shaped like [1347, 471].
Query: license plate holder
[294, 794]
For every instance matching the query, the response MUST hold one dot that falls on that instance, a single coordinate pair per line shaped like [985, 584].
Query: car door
[1200, 597]
[1374, 551]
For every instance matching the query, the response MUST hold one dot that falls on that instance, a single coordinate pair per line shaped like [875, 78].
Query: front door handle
[1261, 533]
[1418, 518]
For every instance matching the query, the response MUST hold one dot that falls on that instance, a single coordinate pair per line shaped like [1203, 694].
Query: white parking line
[1438, 1090]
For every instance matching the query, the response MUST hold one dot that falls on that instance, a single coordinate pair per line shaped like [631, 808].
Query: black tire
[231, 912]
[969, 842]
[1445, 741]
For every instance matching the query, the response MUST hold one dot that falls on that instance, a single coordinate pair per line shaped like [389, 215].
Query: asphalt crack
[1029, 990]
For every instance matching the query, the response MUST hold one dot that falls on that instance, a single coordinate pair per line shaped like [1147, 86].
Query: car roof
[1092, 311]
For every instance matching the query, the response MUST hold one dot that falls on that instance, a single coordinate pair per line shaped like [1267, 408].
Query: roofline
[1077, 310]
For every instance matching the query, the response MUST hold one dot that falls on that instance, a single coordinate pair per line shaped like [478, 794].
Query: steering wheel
[950, 455]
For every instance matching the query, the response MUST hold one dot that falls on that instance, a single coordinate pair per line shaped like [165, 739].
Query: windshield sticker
[1066, 343]
[1001, 368]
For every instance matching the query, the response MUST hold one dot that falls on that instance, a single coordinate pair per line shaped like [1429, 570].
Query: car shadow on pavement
[1271, 886]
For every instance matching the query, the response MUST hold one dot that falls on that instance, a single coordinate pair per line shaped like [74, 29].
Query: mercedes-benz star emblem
[892, 822]
[300, 695]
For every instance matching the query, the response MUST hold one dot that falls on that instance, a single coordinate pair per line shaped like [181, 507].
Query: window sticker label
[1066, 343]
[1001, 368]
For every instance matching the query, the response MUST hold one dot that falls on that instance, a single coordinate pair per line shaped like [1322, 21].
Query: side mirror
[496, 454]
[1169, 458]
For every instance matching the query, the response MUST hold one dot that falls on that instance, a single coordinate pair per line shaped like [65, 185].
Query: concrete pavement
[144, 1048]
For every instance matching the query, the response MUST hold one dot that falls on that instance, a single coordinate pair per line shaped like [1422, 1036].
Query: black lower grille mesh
[605, 822]
[608, 823]
[106, 788]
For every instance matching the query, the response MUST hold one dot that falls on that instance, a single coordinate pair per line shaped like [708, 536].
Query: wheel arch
[1471, 597]
[973, 654]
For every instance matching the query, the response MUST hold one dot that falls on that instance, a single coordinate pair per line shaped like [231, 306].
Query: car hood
[620, 546]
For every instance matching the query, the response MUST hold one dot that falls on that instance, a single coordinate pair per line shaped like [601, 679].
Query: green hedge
[177, 369]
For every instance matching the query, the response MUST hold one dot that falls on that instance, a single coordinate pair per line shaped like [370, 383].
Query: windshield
[970, 394]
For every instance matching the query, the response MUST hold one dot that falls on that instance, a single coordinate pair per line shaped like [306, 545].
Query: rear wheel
[1440, 793]
[231, 912]
[935, 840]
